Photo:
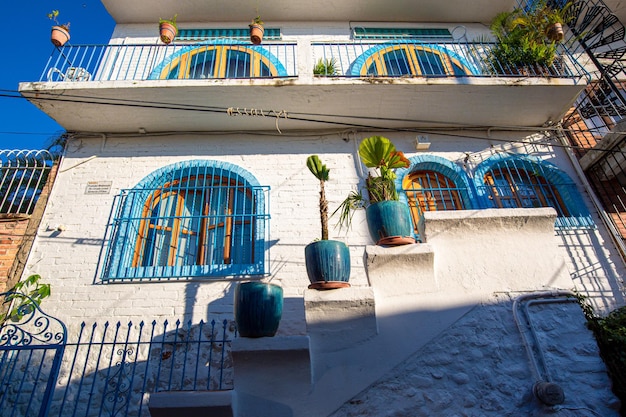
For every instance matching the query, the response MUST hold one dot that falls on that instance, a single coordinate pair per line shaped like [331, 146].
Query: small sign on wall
[98, 187]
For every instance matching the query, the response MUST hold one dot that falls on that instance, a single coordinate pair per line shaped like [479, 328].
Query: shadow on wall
[479, 364]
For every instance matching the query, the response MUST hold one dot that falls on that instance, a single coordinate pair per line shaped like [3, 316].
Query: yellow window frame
[413, 60]
[220, 66]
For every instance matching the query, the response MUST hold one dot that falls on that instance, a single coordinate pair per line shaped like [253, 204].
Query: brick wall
[17, 232]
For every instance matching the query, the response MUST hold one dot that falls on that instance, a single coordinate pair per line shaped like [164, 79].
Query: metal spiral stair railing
[598, 34]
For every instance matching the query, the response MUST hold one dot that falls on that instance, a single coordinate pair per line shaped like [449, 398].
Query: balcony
[232, 85]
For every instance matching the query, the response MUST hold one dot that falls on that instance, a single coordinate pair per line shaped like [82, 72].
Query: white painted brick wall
[68, 260]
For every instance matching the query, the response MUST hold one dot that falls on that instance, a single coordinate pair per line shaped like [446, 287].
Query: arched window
[433, 183]
[196, 219]
[410, 59]
[431, 191]
[513, 187]
[219, 61]
[525, 182]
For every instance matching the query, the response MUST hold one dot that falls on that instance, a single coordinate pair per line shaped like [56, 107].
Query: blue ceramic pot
[327, 261]
[389, 223]
[258, 308]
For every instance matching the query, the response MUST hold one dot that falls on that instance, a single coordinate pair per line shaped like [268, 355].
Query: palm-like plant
[321, 172]
[379, 153]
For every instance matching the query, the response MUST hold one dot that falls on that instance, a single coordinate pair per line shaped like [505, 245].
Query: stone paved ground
[479, 367]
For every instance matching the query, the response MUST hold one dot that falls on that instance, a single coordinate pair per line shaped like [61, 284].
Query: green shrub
[610, 333]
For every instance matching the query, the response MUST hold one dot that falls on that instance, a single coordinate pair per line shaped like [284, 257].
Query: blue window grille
[192, 219]
[433, 183]
[507, 181]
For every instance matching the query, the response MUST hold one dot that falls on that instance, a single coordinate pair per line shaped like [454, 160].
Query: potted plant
[327, 261]
[168, 29]
[256, 30]
[388, 219]
[552, 18]
[60, 31]
[258, 308]
[521, 41]
[325, 67]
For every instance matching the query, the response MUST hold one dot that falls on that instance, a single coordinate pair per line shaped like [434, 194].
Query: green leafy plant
[257, 21]
[321, 172]
[325, 67]
[522, 36]
[53, 15]
[24, 297]
[171, 21]
[379, 154]
[610, 333]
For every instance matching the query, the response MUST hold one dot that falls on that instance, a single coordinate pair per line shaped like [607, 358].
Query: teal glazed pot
[327, 261]
[389, 223]
[258, 308]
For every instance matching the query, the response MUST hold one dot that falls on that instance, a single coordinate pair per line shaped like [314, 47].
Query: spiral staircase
[594, 125]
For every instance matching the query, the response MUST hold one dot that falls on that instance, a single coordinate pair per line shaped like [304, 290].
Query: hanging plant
[168, 29]
[60, 31]
[256, 30]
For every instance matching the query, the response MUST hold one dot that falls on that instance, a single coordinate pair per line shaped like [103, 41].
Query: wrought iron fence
[23, 174]
[31, 350]
[107, 370]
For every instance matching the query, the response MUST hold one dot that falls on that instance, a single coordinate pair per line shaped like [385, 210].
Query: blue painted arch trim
[131, 205]
[357, 65]
[444, 167]
[273, 60]
[579, 216]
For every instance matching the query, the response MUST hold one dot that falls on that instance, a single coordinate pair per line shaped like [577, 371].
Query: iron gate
[106, 370]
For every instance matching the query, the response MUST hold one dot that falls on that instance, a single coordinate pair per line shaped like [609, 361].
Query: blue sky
[22, 125]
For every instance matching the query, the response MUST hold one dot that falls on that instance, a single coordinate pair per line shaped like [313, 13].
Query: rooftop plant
[325, 67]
[53, 15]
[526, 37]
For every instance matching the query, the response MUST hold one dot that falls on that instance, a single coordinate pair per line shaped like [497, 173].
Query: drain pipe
[544, 389]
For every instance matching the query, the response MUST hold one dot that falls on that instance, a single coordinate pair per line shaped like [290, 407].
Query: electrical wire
[310, 117]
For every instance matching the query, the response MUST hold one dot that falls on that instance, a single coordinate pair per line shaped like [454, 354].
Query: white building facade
[184, 174]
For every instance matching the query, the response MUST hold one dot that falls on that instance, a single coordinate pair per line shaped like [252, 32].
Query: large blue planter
[258, 308]
[327, 261]
[389, 223]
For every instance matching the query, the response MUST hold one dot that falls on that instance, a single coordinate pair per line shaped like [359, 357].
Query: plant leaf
[316, 167]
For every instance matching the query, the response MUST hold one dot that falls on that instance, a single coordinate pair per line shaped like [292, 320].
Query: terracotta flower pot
[256, 34]
[168, 32]
[555, 32]
[59, 35]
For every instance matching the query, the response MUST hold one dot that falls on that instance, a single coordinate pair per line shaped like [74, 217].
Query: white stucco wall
[469, 262]
[68, 259]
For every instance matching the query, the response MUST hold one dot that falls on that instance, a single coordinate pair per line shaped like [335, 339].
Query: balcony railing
[218, 60]
[402, 58]
[240, 60]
